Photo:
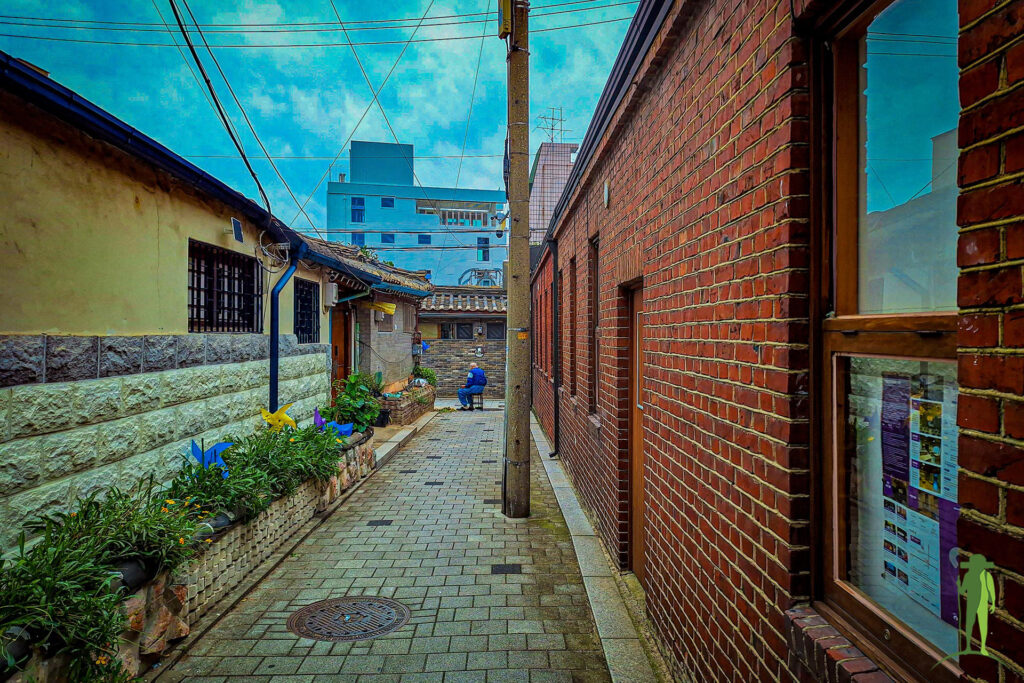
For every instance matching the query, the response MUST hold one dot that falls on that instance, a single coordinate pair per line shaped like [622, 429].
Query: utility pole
[518, 381]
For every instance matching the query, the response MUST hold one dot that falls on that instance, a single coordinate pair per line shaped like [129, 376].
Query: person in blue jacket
[476, 380]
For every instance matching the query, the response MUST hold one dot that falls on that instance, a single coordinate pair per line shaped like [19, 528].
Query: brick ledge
[818, 652]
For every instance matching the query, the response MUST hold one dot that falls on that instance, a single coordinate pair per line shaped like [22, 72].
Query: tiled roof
[466, 300]
[349, 255]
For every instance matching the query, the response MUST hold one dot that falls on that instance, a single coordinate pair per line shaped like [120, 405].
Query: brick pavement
[438, 557]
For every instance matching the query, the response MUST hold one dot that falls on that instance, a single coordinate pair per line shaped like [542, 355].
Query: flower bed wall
[411, 405]
[166, 608]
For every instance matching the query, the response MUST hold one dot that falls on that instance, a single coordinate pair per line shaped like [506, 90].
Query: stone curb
[620, 640]
[387, 450]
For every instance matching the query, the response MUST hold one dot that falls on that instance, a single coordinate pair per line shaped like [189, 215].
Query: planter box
[165, 609]
[413, 404]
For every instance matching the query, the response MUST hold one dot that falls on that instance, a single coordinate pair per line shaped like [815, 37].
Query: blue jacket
[476, 378]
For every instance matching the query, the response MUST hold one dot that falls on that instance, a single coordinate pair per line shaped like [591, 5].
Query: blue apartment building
[381, 206]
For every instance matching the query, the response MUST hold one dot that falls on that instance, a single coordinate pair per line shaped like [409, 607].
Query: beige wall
[94, 243]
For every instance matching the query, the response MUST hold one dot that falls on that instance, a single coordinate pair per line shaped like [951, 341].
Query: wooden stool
[476, 400]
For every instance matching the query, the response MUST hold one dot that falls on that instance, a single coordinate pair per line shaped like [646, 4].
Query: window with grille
[358, 210]
[225, 290]
[447, 331]
[307, 311]
[496, 330]
[483, 251]
[464, 330]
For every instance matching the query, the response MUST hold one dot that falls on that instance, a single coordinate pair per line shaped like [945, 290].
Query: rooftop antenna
[553, 124]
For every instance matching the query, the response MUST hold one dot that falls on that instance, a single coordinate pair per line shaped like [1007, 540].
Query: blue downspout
[275, 321]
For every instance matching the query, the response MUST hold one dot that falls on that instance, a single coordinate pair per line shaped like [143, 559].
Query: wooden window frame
[843, 331]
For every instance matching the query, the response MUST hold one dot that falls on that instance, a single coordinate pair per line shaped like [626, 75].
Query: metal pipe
[354, 296]
[556, 346]
[275, 321]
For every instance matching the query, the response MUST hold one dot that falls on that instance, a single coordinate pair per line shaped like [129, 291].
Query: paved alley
[490, 599]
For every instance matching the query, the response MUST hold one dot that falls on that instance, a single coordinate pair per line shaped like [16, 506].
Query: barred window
[464, 330]
[307, 311]
[496, 330]
[225, 290]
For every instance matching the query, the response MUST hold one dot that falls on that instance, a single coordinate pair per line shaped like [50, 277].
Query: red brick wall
[708, 209]
[707, 162]
[991, 339]
[543, 382]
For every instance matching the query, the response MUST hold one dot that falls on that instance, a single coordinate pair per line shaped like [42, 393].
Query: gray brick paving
[437, 556]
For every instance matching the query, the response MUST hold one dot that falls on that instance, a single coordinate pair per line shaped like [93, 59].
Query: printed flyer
[919, 488]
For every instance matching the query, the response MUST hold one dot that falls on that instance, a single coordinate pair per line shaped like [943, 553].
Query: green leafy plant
[374, 383]
[425, 373]
[245, 493]
[61, 592]
[127, 525]
[289, 457]
[354, 403]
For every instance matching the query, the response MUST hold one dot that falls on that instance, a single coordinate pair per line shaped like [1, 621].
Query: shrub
[426, 373]
[127, 525]
[374, 383]
[60, 591]
[355, 404]
[245, 493]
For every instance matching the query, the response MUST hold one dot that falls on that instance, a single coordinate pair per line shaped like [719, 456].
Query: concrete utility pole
[518, 380]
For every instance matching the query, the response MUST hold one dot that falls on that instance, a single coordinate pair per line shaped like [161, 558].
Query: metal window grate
[307, 311]
[225, 290]
[496, 330]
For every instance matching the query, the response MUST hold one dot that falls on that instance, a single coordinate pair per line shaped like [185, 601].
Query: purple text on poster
[948, 573]
[896, 426]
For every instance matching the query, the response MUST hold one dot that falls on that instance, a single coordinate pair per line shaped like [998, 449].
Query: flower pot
[16, 646]
[134, 574]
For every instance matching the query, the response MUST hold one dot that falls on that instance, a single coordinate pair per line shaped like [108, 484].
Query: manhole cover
[345, 619]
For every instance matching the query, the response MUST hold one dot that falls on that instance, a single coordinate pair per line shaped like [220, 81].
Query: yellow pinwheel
[278, 419]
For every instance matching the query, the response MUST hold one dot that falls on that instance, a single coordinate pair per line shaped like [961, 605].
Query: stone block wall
[63, 439]
[450, 359]
[410, 406]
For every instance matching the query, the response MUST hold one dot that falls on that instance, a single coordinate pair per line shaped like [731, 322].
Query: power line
[220, 109]
[245, 116]
[380, 106]
[301, 157]
[271, 29]
[362, 116]
[350, 24]
[83, 41]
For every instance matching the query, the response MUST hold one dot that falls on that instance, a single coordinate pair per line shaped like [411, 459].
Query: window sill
[819, 652]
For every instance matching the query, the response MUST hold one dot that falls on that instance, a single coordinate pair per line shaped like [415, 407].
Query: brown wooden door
[340, 321]
[637, 505]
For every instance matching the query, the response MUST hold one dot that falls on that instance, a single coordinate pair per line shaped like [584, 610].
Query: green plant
[60, 591]
[246, 492]
[374, 383]
[127, 525]
[354, 403]
[289, 457]
[426, 373]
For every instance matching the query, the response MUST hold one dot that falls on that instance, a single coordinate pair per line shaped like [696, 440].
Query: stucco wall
[389, 353]
[95, 243]
[66, 439]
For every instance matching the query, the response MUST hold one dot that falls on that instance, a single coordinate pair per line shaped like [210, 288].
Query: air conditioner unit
[330, 293]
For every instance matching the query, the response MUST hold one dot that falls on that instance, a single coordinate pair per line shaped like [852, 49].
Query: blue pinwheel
[322, 424]
[212, 456]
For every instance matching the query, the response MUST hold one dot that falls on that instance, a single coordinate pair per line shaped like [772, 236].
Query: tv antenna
[553, 124]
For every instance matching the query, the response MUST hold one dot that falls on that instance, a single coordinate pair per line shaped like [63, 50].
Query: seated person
[476, 380]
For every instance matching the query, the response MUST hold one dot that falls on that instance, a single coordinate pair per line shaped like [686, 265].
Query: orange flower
[102, 659]
[209, 540]
[73, 514]
[181, 541]
[164, 510]
[291, 439]
[169, 501]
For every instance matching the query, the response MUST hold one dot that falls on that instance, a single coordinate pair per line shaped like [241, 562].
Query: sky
[306, 101]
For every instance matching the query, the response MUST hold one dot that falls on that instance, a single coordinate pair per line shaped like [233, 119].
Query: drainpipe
[354, 296]
[556, 355]
[275, 321]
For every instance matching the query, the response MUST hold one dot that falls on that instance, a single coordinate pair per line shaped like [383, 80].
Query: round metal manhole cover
[344, 619]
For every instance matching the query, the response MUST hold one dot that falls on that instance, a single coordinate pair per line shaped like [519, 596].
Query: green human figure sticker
[979, 593]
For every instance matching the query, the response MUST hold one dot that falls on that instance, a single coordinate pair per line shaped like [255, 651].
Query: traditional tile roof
[350, 255]
[467, 299]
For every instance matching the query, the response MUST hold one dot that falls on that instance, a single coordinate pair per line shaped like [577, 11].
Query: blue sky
[304, 101]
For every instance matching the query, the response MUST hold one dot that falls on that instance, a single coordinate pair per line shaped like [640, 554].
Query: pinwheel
[279, 418]
[212, 456]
